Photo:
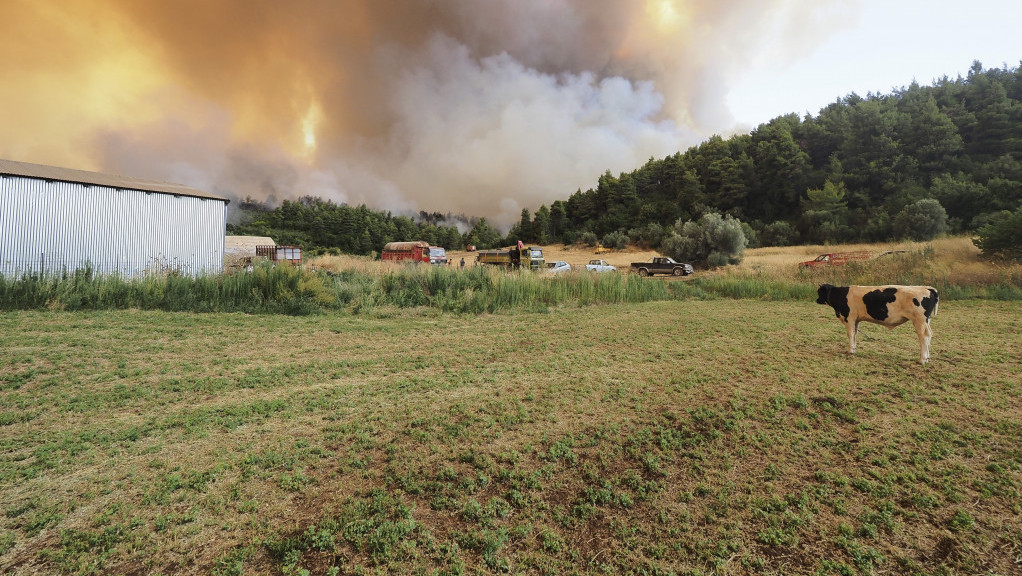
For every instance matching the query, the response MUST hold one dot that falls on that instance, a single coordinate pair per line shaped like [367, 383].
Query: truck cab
[662, 265]
[514, 257]
[600, 266]
[437, 255]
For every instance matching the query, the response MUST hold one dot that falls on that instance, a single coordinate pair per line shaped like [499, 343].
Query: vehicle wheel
[643, 272]
[678, 272]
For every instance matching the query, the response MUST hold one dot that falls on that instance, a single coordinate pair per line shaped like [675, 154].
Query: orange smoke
[460, 105]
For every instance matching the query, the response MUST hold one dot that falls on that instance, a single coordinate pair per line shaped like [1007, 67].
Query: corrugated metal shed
[56, 174]
[57, 220]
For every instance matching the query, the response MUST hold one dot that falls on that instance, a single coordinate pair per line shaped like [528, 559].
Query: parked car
[662, 265]
[890, 253]
[834, 259]
[600, 266]
[558, 267]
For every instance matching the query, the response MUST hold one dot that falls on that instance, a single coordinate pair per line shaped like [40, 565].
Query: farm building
[241, 250]
[54, 220]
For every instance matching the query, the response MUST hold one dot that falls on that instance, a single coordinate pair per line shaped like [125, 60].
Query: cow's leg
[853, 327]
[925, 333]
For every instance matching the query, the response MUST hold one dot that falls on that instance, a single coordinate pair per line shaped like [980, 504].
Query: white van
[437, 255]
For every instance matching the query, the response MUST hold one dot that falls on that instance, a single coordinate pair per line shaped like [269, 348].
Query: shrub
[615, 240]
[779, 233]
[648, 236]
[712, 241]
[922, 220]
[1002, 237]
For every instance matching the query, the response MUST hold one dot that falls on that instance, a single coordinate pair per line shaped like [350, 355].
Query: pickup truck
[558, 267]
[662, 265]
[834, 259]
[600, 266]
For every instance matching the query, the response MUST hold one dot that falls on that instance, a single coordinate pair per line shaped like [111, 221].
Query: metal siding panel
[6, 223]
[100, 234]
[8, 201]
[22, 228]
[118, 231]
[157, 248]
[5, 215]
[72, 229]
[37, 236]
[125, 216]
[22, 245]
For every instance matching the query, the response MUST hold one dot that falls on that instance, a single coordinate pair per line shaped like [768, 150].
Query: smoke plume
[483, 108]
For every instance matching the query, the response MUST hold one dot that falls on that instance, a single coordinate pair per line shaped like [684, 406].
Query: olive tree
[711, 241]
[923, 220]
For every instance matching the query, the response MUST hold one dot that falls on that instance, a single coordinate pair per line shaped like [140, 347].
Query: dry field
[681, 437]
[957, 254]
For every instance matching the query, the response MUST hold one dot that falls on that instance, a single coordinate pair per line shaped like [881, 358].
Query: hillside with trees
[915, 163]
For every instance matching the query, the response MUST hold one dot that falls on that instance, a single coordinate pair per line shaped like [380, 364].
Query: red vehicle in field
[405, 252]
[834, 259]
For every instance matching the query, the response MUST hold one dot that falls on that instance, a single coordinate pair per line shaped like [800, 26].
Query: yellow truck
[513, 257]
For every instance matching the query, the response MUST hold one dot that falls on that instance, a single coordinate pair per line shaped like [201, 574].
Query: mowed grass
[676, 437]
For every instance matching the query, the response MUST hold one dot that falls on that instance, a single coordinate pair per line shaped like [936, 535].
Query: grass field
[673, 437]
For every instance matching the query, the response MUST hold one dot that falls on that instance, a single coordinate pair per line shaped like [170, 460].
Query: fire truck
[405, 252]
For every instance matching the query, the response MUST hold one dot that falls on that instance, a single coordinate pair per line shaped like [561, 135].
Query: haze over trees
[913, 164]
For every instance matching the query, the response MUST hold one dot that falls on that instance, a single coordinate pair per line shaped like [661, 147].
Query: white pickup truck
[600, 266]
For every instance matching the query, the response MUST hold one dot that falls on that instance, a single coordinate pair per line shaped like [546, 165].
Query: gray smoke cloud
[467, 106]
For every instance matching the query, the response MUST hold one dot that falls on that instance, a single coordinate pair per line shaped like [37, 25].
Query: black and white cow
[885, 305]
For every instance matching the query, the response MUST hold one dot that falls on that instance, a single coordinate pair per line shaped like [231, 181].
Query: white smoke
[481, 108]
[494, 132]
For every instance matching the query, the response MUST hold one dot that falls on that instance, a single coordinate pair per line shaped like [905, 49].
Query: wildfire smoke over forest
[482, 108]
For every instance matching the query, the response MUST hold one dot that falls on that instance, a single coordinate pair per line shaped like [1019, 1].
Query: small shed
[280, 253]
[239, 251]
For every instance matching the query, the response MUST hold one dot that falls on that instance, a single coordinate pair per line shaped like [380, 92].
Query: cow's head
[824, 294]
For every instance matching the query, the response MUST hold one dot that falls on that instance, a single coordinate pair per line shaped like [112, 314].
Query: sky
[477, 107]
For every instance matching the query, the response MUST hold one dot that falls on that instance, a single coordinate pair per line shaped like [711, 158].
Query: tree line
[325, 227]
[915, 163]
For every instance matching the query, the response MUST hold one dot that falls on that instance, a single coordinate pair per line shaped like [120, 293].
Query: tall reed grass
[267, 289]
[480, 290]
[362, 288]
